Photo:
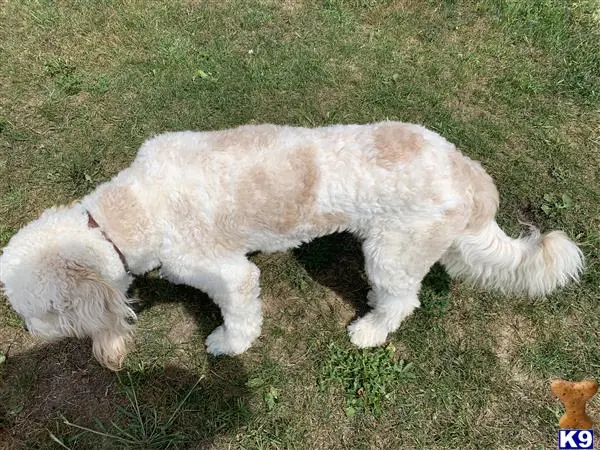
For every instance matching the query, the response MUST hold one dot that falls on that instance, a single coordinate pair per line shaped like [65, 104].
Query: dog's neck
[93, 224]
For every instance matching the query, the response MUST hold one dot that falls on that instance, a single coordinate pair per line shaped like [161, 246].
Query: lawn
[514, 84]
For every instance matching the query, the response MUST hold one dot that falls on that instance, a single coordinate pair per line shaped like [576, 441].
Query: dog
[196, 203]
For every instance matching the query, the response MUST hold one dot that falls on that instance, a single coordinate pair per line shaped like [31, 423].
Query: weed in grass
[57, 66]
[266, 378]
[65, 77]
[560, 173]
[11, 319]
[68, 81]
[368, 377]
[300, 279]
[271, 397]
[201, 74]
[100, 85]
[555, 205]
[70, 84]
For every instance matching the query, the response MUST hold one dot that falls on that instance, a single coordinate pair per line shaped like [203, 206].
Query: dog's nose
[25, 327]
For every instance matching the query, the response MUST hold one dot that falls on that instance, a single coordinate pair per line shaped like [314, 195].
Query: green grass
[368, 377]
[145, 429]
[514, 84]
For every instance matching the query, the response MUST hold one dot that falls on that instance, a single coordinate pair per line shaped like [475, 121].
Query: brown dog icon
[574, 395]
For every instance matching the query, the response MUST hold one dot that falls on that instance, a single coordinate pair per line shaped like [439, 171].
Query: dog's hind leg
[396, 260]
[233, 284]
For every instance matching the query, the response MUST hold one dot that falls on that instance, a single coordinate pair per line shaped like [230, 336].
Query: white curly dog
[196, 203]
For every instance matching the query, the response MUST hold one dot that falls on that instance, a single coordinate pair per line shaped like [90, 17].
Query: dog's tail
[534, 265]
[484, 255]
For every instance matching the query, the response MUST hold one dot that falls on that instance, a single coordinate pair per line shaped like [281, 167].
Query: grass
[144, 430]
[368, 377]
[513, 84]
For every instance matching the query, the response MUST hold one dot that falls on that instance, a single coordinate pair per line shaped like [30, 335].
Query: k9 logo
[575, 439]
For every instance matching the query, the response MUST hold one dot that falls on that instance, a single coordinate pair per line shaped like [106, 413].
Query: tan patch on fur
[396, 143]
[455, 214]
[546, 251]
[480, 186]
[279, 198]
[329, 220]
[123, 218]
[244, 138]
[283, 197]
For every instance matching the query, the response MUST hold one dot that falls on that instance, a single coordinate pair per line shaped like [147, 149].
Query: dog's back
[300, 182]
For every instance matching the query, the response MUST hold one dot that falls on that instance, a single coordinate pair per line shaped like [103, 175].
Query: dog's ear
[100, 311]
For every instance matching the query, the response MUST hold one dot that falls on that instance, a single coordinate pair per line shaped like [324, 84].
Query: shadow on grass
[61, 380]
[336, 262]
[150, 290]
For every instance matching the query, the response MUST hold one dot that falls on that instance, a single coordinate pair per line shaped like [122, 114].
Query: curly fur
[195, 203]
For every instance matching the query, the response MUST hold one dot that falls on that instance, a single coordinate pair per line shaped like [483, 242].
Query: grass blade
[181, 403]
[58, 441]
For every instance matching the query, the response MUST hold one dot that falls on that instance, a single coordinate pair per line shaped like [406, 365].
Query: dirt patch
[509, 335]
[14, 341]
[509, 332]
[80, 98]
[62, 378]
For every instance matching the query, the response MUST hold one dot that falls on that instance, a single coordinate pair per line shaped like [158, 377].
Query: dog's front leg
[233, 284]
[241, 310]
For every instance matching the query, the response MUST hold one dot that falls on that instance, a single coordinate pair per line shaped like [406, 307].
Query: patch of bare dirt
[510, 333]
[14, 341]
[40, 383]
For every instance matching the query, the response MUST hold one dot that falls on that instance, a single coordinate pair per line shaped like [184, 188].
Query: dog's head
[65, 279]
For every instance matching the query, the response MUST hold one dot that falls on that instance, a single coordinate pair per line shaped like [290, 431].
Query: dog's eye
[130, 320]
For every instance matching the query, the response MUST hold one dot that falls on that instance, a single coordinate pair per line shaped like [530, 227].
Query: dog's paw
[366, 332]
[221, 342]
